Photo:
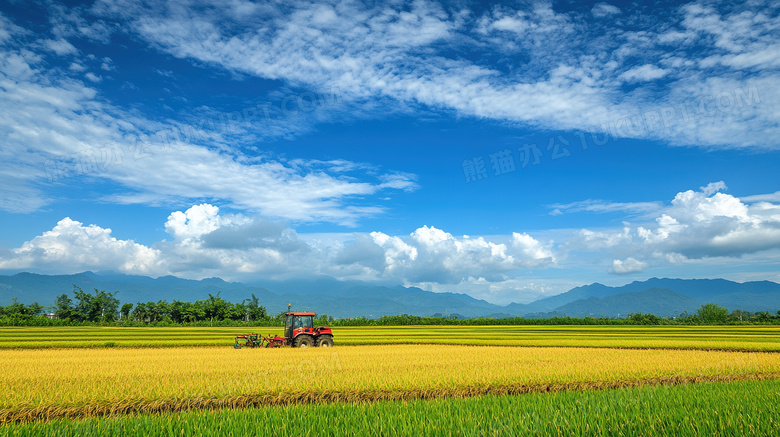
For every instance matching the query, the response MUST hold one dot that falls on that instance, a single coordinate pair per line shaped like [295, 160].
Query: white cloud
[643, 73]
[433, 255]
[601, 206]
[629, 265]
[696, 229]
[746, 39]
[72, 247]
[713, 187]
[772, 197]
[60, 46]
[68, 134]
[208, 243]
[74, 21]
[93, 77]
[589, 240]
[371, 55]
[697, 225]
[571, 70]
[604, 10]
[193, 223]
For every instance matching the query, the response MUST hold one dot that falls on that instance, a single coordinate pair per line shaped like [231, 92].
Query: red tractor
[299, 331]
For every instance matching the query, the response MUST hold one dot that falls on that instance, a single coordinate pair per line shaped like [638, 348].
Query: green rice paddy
[744, 338]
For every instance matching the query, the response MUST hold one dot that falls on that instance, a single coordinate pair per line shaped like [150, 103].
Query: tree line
[709, 314]
[104, 308]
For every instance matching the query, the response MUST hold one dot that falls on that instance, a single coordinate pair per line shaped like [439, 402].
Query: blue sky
[508, 150]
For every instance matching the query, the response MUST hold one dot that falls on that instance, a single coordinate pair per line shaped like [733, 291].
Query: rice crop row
[757, 338]
[736, 408]
[46, 384]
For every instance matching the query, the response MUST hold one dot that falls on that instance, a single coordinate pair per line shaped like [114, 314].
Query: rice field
[732, 408]
[743, 338]
[453, 380]
[95, 382]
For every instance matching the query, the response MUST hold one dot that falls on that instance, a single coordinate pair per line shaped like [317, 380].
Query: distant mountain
[662, 297]
[747, 296]
[549, 304]
[659, 301]
[44, 289]
[324, 295]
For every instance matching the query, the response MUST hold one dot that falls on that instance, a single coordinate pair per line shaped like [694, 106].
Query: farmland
[122, 380]
[731, 408]
[744, 338]
[128, 381]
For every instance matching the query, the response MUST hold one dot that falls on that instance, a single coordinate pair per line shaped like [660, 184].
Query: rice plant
[735, 408]
[51, 383]
[743, 338]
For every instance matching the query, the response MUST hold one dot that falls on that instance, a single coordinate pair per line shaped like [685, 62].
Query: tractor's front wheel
[304, 341]
[325, 341]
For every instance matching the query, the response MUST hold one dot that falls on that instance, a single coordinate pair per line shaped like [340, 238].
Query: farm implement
[257, 340]
[299, 331]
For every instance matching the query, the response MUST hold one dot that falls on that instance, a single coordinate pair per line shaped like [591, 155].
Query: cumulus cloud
[364, 251]
[696, 225]
[433, 255]
[71, 246]
[209, 243]
[194, 222]
[629, 265]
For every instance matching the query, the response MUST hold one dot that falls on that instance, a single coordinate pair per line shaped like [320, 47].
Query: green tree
[64, 307]
[764, 317]
[193, 312]
[84, 309]
[163, 309]
[254, 311]
[107, 304]
[100, 307]
[644, 319]
[125, 311]
[177, 310]
[215, 307]
[740, 315]
[712, 314]
[21, 312]
[152, 311]
[139, 313]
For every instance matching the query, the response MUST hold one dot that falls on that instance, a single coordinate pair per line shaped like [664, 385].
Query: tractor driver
[297, 323]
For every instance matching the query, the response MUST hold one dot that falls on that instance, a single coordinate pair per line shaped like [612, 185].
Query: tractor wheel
[325, 341]
[304, 341]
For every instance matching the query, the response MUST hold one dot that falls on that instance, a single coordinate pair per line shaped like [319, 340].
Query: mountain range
[662, 297]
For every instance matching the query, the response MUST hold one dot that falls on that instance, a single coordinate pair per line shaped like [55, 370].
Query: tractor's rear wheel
[325, 341]
[304, 341]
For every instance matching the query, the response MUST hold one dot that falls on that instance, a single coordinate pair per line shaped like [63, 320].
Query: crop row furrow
[157, 406]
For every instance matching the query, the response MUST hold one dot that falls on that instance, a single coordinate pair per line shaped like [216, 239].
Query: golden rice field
[739, 408]
[43, 384]
[744, 338]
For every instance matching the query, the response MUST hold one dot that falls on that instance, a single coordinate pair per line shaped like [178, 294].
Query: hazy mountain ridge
[659, 301]
[662, 297]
